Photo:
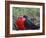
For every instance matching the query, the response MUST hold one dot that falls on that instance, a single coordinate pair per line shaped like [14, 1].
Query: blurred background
[32, 13]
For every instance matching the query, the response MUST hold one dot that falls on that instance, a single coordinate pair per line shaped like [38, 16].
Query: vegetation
[33, 13]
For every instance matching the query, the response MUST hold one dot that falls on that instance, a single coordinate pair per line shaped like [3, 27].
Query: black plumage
[29, 24]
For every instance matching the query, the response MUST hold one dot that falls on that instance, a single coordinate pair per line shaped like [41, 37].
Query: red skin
[20, 23]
